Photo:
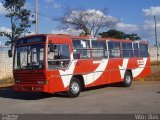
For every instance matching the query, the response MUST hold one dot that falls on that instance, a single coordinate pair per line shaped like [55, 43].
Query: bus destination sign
[30, 40]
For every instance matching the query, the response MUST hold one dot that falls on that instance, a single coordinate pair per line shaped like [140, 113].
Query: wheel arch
[81, 79]
[130, 71]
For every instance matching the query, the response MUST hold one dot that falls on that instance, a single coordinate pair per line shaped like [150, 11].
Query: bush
[7, 81]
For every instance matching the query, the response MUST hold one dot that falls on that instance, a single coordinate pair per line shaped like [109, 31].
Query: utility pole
[36, 17]
[156, 36]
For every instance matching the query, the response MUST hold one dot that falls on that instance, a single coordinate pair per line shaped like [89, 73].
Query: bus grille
[29, 78]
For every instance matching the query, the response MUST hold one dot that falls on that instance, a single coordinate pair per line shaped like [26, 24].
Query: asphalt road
[141, 97]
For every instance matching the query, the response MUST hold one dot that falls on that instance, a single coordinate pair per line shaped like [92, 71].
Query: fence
[6, 63]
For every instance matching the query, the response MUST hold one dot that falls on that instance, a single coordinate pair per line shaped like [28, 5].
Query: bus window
[136, 50]
[114, 49]
[143, 50]
[127, 49]
[58, 56]
[81, 49]
[99, 49]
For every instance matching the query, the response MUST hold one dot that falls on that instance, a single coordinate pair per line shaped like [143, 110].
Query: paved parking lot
[141, 97]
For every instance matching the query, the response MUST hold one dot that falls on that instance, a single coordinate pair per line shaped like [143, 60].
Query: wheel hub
[128, 79]
[74, 88]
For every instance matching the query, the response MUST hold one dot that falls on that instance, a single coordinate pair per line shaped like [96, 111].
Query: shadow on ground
[9, 93]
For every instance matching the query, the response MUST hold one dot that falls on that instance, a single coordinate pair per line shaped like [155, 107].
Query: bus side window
[81, 49]
[127, 49]
[99, 49]
[114, 49]
[58, 56]
[143, 50]
[136, 49]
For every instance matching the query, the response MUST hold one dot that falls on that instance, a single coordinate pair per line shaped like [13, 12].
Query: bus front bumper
[30, 88]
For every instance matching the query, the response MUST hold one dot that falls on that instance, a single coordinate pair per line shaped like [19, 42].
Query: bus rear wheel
[127, 81]
[74, 87]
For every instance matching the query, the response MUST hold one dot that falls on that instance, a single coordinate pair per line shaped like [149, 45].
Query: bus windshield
[29, 57]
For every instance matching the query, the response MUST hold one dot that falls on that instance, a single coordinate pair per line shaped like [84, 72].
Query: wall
[153, 53]
[6, 63]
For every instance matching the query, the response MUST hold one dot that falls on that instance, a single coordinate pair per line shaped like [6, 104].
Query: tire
[127, 81]
[74, 88]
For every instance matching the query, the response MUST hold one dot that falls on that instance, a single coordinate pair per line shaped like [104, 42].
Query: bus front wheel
[74, 87]
[127, 81]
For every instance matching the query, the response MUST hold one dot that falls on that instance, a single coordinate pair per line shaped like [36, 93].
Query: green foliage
[119, 35]
[132, 36]
[19, 18]
[112, 34]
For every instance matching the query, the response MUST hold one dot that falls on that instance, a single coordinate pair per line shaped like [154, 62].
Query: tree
[132, 36]
[119, 35]
[19, 19]
[113, 34]
[90, 21]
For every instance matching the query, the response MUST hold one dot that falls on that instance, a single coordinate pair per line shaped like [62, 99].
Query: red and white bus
[56, 63]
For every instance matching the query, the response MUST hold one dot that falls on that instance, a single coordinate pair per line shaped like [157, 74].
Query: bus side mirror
[10, 53]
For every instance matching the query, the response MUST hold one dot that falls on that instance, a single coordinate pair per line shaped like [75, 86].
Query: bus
[51, 63]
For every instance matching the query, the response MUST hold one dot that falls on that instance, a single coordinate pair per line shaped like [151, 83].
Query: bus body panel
[93, 71]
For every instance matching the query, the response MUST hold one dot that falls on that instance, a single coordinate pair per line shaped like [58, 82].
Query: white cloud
[53, 4]
[92, 18]
[149, 23]
[149, 29]
[2, 9]
[127, 28]
[152, 11]
[91, 15]
[56, 5]
[145, 31]
[8, 30]
[67, 31]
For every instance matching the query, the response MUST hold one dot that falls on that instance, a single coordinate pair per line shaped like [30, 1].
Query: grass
[155, 63]
[155, 72]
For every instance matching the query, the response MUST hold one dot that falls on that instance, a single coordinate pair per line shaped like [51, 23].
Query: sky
[134, 16]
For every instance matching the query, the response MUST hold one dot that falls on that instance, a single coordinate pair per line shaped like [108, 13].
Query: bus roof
[85, 37]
